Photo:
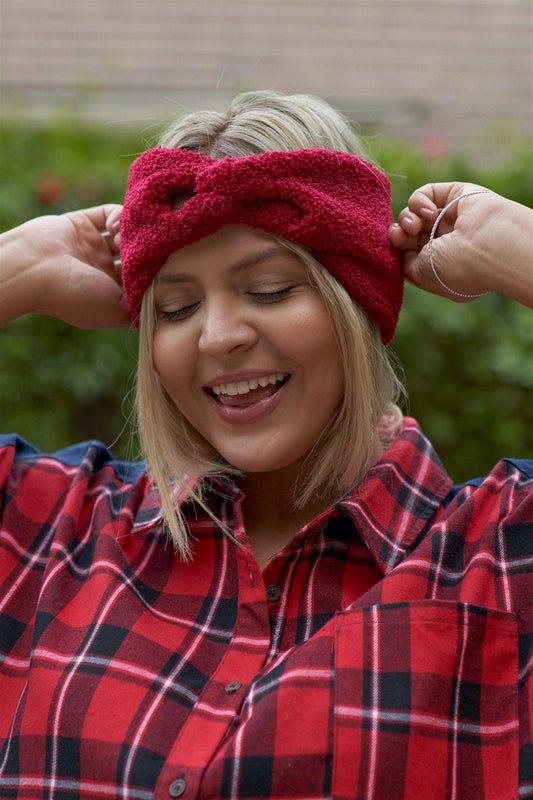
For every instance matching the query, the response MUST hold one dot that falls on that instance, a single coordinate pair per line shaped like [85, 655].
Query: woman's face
[245, 348]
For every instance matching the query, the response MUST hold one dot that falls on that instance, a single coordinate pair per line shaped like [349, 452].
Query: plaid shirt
[384, 653]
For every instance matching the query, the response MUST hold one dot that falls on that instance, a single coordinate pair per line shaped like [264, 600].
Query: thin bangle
[430, 244]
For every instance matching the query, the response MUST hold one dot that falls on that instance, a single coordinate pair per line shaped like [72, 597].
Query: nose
[226, 328]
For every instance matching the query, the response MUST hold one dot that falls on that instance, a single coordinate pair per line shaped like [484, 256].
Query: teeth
[243, 387]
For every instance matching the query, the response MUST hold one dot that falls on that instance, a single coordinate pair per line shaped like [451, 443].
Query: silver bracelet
[430, 244]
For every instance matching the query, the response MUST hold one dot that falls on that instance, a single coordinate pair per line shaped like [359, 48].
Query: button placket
[218, 705]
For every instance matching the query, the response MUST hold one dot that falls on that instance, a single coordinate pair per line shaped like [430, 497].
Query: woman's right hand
[65, 267]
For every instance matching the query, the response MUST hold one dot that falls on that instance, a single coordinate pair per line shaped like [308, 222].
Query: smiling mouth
[244, 393]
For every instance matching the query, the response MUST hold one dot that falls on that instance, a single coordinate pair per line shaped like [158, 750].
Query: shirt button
[273, 593]
[231, 688]
[177, 787]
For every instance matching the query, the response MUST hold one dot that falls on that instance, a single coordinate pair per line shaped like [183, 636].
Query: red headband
[335, 204]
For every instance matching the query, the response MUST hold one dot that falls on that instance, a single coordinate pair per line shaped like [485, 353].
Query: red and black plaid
[386, 652]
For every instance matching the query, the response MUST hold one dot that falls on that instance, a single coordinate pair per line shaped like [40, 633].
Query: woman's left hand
[483, 243]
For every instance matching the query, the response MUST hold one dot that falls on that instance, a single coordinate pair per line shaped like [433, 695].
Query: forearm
[20, 278]
[508, 264]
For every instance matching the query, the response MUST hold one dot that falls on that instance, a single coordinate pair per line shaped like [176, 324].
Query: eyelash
[264, 297]
[179, 313]
[271, 297]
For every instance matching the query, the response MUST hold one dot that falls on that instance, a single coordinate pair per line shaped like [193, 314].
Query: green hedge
[468, 368]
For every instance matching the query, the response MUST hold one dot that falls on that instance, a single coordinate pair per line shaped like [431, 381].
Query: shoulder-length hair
[178, 457]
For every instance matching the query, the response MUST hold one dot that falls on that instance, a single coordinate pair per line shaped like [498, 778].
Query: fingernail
[428, 213]
[115, 226]
[406, 222]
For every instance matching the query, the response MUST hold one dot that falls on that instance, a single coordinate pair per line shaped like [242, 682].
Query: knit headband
[335, 204]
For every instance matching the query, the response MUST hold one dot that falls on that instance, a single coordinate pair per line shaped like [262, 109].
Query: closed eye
[271, 297]
[179, 313]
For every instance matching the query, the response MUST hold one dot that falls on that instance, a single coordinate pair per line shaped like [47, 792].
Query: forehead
[232, 247]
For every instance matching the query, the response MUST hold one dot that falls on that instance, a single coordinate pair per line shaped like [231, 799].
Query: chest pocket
[426, 703]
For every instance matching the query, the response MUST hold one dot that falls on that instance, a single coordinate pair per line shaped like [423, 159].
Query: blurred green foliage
[468, 368]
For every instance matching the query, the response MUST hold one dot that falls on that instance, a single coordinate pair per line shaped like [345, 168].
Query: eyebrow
[244, 263]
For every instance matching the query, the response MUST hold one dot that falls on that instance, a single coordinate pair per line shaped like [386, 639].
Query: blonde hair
[259, 122]
[179, 458]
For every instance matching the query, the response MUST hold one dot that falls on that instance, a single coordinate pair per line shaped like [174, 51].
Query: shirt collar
[401, 492]
[150, 512]
[390, 508]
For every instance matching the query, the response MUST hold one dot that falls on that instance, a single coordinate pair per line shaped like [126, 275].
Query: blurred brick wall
[436, 69]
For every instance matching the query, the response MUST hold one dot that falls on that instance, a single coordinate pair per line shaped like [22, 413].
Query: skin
[66, 266]
[482, 244]
[235, 306]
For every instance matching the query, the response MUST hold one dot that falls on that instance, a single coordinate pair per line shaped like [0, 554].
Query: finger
[411, 223]
[432, 196]
[117, 266]
[411, 232]
[398, 236]
[96, 227]
[404, 241]
[99, 216]
[113, 220]
[113, 229]
[113, 243]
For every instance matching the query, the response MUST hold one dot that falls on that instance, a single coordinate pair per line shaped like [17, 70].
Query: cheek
[315, 341]
[325, 362]
[170, 358]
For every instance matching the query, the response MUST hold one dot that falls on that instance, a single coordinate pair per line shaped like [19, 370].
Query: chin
[254, 466]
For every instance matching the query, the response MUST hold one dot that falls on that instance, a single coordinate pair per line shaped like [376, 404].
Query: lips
[241, 394]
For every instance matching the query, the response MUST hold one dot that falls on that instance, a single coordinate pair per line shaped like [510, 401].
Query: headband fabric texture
[335, 204]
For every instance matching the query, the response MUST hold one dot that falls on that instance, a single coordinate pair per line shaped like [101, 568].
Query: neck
[270, 516]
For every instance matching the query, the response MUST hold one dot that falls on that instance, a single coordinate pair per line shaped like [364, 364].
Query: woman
[333, 618]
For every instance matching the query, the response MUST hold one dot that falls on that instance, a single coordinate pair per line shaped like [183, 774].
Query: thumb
[416, 268]
[88, 298]
[438, 268]
[103, 301]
